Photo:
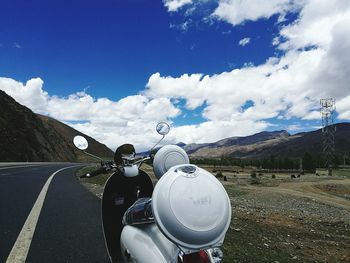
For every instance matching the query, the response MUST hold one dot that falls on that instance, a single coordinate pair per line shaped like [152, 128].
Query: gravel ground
[275, 227]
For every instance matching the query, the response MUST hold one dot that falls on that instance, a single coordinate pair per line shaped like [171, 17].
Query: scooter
[183, 219]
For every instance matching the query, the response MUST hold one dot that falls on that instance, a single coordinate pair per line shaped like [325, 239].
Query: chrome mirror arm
[140, 162]
[94, 156]
[157, 143]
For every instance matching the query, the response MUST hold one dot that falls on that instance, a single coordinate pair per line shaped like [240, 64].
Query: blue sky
[111, 49]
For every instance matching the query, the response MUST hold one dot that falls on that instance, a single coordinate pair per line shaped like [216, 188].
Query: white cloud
[275, 41]
[343, 107]
[174, 5]
[276, 87]
[317, 20]
[132, 118]
[16, 45]
[29, 94]
[236, 12]
[315, 64]
[211, 131]
[312, 115]
[244, 41]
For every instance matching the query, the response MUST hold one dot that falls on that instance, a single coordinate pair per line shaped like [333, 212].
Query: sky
[211, 68]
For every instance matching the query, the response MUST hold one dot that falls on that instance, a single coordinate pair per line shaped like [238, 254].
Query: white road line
[20, 249]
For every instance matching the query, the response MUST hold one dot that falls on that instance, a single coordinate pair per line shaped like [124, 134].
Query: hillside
[224, 144]
[26, 136]
[278, 143]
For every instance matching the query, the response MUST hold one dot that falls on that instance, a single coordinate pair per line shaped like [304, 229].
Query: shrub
[219, 174]
[253, 174]
[255, 181]
[273, 176]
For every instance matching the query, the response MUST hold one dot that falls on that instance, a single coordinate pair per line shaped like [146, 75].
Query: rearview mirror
[163, 128]
[80, 142]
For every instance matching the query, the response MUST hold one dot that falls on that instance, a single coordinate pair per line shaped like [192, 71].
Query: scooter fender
[146, 244]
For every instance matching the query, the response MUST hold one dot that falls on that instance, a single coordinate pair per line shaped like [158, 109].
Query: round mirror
[163, 128]
[80, 142]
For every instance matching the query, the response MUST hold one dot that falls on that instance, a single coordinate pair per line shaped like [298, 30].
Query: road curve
[67, 217]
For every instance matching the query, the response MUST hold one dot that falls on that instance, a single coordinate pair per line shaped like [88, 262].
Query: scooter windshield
[139, 213]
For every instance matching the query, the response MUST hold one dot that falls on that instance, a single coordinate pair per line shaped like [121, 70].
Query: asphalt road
[68, 226]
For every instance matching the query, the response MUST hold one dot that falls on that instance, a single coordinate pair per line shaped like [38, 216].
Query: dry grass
[283, 219]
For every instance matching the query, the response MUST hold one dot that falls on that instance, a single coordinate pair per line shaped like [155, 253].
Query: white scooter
[184, 219]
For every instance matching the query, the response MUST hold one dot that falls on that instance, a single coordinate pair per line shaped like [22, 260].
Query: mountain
[26, 136]
[224, 144]
[278, 143]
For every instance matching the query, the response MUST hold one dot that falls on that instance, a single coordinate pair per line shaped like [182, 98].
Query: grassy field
[276, 218]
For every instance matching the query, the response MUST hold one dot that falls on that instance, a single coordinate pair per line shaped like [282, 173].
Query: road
[47, 216]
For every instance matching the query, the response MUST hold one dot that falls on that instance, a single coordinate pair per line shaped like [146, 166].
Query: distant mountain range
[278, 143]
[26, 136]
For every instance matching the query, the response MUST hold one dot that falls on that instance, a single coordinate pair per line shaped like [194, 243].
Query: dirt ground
[280, 219]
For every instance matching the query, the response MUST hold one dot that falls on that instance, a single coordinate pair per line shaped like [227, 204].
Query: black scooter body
[119, 194]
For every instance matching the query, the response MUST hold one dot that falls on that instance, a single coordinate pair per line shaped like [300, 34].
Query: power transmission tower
[328, 130]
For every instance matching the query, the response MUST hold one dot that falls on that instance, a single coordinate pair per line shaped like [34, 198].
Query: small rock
[237, 229]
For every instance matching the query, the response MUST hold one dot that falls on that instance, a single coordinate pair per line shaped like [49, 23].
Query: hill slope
[26, 136]
[278, 143]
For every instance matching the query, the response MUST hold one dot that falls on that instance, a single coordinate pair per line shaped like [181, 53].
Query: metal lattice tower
[328, 130]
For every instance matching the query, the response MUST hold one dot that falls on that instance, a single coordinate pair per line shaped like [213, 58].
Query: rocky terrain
[272, 224]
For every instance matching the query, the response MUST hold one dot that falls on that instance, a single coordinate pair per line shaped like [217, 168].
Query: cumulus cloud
[276, 87]
[131, 119]
[244, 41]
[30, 94]
[343, 108]
[317, 20]
[314, 64]
[237, 12]
[174, 5]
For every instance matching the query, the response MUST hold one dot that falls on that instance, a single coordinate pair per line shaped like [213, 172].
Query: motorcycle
[183, 219]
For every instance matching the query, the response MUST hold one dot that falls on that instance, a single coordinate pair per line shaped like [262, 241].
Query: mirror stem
[156, 144]
[93, 156]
